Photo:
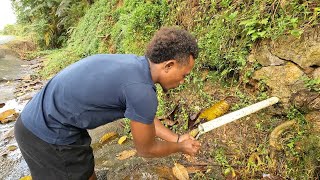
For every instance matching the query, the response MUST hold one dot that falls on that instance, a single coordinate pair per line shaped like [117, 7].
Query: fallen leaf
[164, 172]
[26, 178]
[20, 94]
[126, 154]
[107, 136]
[254, 159]
[169, 119]
[6, 114]
[230, 170]
[12, 147]
[173, 113]
[192, 119]
[122, 139]
[180, 172]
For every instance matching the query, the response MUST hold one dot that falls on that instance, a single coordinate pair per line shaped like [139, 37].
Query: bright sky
[7, 15]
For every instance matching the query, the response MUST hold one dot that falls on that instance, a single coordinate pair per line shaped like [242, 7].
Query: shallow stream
[12, 165]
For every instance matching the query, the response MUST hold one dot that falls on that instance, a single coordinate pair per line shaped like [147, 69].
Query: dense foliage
[49, 21]
[226, 30]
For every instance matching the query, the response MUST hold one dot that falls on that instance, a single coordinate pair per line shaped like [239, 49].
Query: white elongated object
[210, 125]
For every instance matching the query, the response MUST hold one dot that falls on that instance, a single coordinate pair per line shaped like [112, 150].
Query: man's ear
[169, 64]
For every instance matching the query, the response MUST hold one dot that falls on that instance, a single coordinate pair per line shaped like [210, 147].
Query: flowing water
[11, 68]
[12, 165]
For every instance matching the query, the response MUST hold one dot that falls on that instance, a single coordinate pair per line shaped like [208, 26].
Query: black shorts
[57, 162]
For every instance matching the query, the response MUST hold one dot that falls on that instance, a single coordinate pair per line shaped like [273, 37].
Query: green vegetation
[48, 22]
[301, 149]
[226, 30]
[220, 157]
[312, 84]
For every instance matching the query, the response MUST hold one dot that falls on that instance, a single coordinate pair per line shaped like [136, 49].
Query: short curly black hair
[172, 43]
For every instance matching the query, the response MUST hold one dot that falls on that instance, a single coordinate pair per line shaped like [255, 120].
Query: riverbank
[17, 86]
[15, 93]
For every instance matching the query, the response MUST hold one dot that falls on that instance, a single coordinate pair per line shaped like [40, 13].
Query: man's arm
[147, 145]
[167, 135]
[163, 132]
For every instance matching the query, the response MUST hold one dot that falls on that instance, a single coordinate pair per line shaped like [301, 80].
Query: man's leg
[47, 161]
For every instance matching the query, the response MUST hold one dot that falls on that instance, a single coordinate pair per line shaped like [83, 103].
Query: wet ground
[11, 68]
[12, 165]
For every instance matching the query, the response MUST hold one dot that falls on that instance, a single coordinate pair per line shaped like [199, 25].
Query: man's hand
[185, 137]
[190, 146]
[147, 145]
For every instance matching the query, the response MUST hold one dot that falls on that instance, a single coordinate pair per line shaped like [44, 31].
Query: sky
[7, 15]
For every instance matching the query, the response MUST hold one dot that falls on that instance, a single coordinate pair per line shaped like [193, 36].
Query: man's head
[172, 51]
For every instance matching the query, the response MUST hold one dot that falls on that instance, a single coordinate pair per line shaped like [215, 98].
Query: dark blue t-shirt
[91, 92]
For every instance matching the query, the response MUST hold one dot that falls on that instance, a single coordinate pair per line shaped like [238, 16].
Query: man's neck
[154, 70]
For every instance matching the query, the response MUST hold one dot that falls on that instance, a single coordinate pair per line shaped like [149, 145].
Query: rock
[251, 58]
[8, 134]
[282, 80]
[306, 100]
[314, 119]
[313, 56]
[304, 51]
[27, 77]
[264, 56]
[316, 73]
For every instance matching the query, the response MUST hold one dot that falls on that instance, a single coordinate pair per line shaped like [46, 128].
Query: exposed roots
[274, 136]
